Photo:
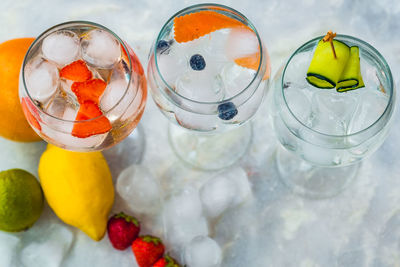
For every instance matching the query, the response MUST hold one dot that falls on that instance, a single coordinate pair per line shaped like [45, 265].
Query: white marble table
[277, 227]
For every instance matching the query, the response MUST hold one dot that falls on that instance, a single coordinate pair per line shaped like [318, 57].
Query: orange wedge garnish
[192, 26]
[252, 62]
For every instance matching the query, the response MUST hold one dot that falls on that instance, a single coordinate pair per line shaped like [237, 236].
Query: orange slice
[252, 62]
[192, 26]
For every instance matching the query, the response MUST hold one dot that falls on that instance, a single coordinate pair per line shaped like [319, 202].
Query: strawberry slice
[96, 124]
[192, 26]
[27, 106]
[89, 90]
[77, 71]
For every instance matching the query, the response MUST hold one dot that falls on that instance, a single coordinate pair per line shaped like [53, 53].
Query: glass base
[207, 151]
[312, 181]
[129, 151]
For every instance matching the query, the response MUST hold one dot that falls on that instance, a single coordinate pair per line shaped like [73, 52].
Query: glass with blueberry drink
[207, 72]
[81, 87]
[334, 100]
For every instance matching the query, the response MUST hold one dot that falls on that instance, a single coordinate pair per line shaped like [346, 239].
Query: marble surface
[358, 227]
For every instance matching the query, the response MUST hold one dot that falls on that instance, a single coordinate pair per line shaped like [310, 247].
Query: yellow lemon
[78, 187]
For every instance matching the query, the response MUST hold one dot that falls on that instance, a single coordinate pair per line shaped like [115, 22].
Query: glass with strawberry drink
[81, 87]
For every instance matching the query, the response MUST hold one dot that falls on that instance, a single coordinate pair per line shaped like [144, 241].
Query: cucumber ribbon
[342, 70]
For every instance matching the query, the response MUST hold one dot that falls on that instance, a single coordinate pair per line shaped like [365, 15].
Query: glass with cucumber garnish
[334, 100]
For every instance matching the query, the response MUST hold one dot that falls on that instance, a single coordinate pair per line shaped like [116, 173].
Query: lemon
[21, 200]
[78, 187]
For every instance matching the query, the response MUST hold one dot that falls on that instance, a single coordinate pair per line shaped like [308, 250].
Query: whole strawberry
[147, 249]
[122, 230]
[166, 261]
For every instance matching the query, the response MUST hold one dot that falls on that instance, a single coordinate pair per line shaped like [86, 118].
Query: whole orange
[13, 124]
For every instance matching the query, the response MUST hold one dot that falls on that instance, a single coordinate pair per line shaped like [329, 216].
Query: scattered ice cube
[41, 79]
[8, 246]
[299, 105]
[239, 176]
[61, 47]
[185, 205]
[203, 251]
[202, 86]
[50, 250]
[180, 233]
[332, 111]
[100, 49]
[86, 252]
[236, 78]
[217, 195]
[371, 105]
[140, 189]
[241, 42]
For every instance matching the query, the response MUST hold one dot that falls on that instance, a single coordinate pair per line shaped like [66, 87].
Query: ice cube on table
[8, 246]
[139, 189]
[51, 250]
[203, 251]
[61, 47]
[243, 186]
[41, 78]
[217, 195]
[236, 78]
[100, 49]
[241, 42]
[185, 205]
[180, 233]
[371, 105]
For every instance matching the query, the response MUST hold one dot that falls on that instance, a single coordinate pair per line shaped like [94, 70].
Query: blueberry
[162, 46]
[197, 62]
[226, 111]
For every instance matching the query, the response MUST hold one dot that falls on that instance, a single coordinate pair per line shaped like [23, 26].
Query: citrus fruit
[13, 124]
[21, 200]
[78, 187]
[192, 26]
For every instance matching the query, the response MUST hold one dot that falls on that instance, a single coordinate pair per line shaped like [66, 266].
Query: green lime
[21, 200]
